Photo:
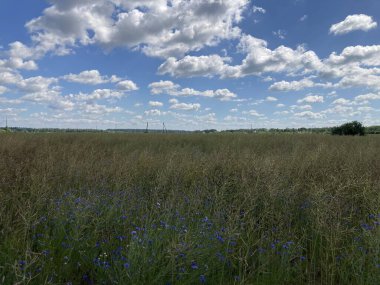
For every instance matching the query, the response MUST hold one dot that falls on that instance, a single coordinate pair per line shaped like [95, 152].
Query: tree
[349, 129]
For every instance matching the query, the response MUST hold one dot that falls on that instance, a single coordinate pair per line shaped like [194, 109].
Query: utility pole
[164, 128]
[147, 127]
[6, 123]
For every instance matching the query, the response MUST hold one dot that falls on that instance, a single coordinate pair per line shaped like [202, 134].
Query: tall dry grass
[189, 209]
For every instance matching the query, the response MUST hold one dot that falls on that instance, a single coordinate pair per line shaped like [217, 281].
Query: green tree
[349, 129]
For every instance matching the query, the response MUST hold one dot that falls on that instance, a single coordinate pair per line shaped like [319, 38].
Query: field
[189, 209]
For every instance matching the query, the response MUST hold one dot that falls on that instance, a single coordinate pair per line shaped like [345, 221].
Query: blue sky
[193, 64]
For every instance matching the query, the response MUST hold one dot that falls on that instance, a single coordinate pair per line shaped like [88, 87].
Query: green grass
[189, 209]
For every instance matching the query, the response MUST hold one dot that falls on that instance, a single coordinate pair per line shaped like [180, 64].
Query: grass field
[189, 209]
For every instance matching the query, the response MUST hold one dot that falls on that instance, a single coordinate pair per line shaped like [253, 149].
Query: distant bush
[349, 129]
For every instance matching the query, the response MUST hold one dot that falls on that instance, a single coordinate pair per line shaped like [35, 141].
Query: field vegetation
[189, 209]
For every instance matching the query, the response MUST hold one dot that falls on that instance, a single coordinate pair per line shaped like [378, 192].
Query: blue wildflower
[194, 265]
[202, 279]
[126, 265]
[367, 227]
[22, 264]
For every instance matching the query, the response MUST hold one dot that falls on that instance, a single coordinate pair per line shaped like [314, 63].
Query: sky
[191, 64]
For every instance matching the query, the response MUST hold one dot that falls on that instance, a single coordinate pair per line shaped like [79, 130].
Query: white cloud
[154, 112]
[170, 88]
[259, 59]
[304, 18]
[253, 113]
[301, 107]
[235, 119]
[99, 94]
[368, 97]
[359, 22]
[342, 101]
[173, 101]
[18, 57]
[271, 99]
[311, 99]
[310, 115]
[280, 105]
[257, 9]
[191, 66]
[185, 106]
[127, 85]
[291, 86]
[35, 84]
[158, 28]
[92, 77]
[155, 104]
[97, 109]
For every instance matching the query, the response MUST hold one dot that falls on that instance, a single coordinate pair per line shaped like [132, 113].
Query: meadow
[189, 209]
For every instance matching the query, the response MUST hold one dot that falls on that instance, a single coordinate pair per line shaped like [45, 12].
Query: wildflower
[194, 265]
[367, 227]
[287, 244]
[302, 258]
[126, 265]
[22, 264]
[261, 250]
[202, 279]
[87, 279]
[134, 233]
[219, 238]
[237, 278]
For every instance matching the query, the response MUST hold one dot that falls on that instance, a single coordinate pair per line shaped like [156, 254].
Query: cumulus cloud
[310, 115]
[271, 99]
[159, 28]
[154, 112]
[191, 66]
[358, 22]
[311, 99]
[186, 106]
[291, 86]
[92, 77]
[253, 113]
[99, 94]
[127, 85]
[97, 109]
[155, 104]
[259, 59]
[301, 107]
[18, 56]
[368, 97]
[170, 88]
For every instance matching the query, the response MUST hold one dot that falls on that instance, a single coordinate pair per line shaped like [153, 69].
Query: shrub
[349, 129]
